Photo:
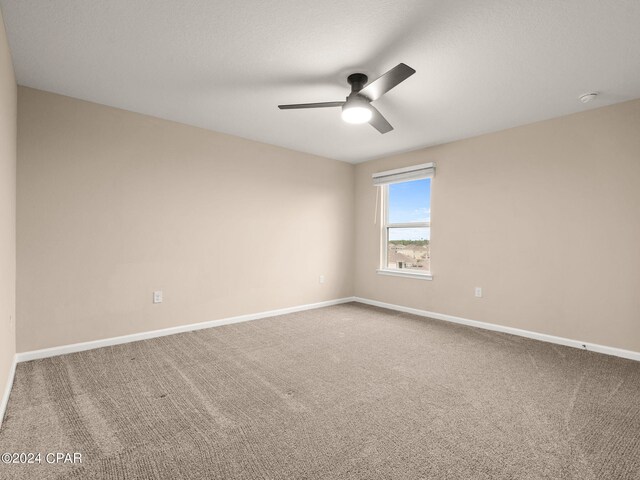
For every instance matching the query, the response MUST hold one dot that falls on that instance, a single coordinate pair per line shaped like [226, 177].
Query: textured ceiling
[482, 65]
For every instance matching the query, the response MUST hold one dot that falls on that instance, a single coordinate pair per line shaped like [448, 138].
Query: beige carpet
[342, 392]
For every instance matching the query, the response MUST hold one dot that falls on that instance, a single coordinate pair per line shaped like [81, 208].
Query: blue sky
[410, 202]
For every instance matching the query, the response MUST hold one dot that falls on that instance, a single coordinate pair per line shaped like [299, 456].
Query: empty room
[303, 239]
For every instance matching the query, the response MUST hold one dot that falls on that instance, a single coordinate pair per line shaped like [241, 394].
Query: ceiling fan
[357, 107]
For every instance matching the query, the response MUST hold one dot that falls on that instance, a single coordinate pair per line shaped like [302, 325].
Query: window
[406, 221]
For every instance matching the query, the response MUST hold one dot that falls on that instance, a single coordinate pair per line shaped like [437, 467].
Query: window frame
[384, 236]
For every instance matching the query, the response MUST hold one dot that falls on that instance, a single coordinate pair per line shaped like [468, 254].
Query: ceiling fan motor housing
[357, 81]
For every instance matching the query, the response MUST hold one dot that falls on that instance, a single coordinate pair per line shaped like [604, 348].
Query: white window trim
[400, 273]
[384, 226]
[405, 174]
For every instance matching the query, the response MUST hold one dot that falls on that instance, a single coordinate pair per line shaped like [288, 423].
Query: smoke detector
[587, 97]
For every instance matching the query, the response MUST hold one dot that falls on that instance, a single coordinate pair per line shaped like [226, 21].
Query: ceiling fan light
[356, 114]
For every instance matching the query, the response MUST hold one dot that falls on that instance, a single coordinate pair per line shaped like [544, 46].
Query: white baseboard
[79, 347]
[106, 342]
[7, 390]
[618, 352]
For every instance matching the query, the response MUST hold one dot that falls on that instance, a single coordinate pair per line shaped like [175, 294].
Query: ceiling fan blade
[379, 122]
[386, 82]
[310, 105]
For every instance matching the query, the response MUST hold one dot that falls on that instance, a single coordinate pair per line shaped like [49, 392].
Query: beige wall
[113, 205]
[7, 210]
[545, 218]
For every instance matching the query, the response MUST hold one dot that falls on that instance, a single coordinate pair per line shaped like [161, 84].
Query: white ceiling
[482, 65]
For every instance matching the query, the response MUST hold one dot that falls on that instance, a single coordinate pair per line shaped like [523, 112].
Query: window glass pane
[408, 248]
[410, 201]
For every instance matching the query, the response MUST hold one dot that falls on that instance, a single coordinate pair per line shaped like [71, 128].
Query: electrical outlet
[157, 296]
[321, 279]
[479, 292]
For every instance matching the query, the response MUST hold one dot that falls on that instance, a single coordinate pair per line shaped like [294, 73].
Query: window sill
[397, 273]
